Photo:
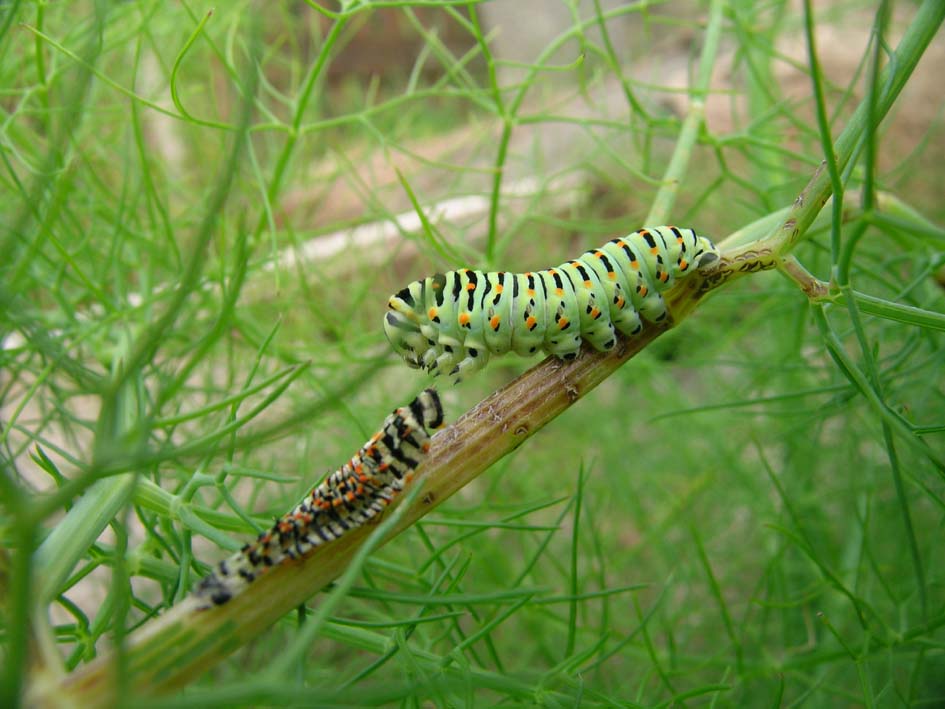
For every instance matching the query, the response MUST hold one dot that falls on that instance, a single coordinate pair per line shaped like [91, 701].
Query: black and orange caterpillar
[355, 493]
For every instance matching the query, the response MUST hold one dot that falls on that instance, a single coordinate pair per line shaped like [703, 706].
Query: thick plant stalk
[178, 646]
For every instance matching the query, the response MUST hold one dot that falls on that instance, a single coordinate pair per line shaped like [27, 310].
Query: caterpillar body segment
[452, 323]
[348, 498]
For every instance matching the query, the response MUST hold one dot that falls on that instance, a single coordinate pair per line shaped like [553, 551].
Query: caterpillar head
[707, 253]
[693, 252]
[405, 337]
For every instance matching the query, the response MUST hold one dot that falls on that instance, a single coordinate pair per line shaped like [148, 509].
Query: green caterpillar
[452, 322]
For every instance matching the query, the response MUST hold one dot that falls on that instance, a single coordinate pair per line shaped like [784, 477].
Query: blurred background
[191, 328]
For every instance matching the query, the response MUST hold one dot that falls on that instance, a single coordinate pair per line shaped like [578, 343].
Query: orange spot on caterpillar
[563, 323]
[470, 286]
[464, 319]
[499, 288]
[588, 284]
[559, 291]
[531, 322]
[494, 322]
[431, 313]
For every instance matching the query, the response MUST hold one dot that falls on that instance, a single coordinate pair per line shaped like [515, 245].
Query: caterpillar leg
[405, 337]
[653, 307]
[602, 338]
[474, 360]
[565, 347]
[624, 315]
[443, 359]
